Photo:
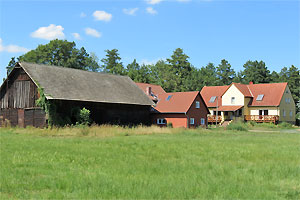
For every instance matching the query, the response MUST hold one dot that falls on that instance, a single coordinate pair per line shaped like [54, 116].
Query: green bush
[252, 123]
[285, 125]
[266, 125]
[237, 126]
[170, 125]
[84, 116]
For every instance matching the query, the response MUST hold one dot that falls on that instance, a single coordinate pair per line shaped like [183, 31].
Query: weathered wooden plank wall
[18, 101]
[20, 92]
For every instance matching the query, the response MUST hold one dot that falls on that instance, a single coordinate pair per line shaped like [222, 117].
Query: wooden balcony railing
[262, 118]
[212, 118]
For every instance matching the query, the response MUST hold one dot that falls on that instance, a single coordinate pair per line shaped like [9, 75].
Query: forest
[175, 74]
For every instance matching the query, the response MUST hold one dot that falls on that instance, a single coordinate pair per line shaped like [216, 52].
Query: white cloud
[151, 11]
[49, 33]
[153, 2]
[102, 15]
[12, 48]
[76, 36]
[130, 11]
[82, 15]
[92, 32]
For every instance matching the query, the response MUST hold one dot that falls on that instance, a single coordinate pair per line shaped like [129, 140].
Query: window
[192, 121]
[263, 112]
[202, 121]
[286, 100]
[291, 113]
[289, 100]
[283, 113]
[232, 100]
[219, 113]
[212, 99]
[287, 91]
[197, 104]
[161, 121]
[260, 97]
[169, 97]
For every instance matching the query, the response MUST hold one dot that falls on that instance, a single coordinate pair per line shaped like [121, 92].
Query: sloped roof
[209, 91]
[244, 89]
[72, 84]
[179, 102]
[228, 108]
[272, 92]
[156, 89]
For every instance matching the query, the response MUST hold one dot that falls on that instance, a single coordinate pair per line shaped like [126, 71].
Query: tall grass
[96, 130]
[237, 126]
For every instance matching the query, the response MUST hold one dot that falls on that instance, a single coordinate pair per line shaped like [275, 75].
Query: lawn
[177, 164]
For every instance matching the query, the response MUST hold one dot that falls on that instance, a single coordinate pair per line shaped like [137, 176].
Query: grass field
[148, 163]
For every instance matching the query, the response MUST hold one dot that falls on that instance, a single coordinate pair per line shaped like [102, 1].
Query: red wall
[177, 119]
[198, 113]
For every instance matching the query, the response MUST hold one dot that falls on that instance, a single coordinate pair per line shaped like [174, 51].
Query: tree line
[175, 74]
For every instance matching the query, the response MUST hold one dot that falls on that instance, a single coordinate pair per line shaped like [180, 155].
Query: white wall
[271, 110]
[233, 92]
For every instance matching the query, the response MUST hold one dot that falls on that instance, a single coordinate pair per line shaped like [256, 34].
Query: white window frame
[192, 121]
[202, 121]
[197, 104]
[161, 121]
[232, 100]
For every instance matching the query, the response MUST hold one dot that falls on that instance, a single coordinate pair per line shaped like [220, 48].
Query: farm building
[265, 102]
[110, 98]
[181, 109]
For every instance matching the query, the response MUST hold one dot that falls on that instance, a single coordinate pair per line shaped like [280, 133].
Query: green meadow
[149, 163]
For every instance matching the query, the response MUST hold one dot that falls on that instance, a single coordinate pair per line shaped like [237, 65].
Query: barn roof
[73, 84]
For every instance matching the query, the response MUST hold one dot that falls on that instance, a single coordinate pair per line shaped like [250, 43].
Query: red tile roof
[228, 108]
[209, 91]
[272, 92]
[156, 89]
[244, 89]
[179, 102]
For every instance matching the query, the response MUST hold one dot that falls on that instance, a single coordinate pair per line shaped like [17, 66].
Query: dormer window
[260, 97]
[232, 100]
[212, 99]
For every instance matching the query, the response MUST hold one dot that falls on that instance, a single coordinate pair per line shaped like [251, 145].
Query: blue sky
[207, 30]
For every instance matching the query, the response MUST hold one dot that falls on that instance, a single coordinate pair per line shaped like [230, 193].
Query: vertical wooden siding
[20, 92]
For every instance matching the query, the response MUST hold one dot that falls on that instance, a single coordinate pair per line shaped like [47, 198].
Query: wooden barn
[111, 99]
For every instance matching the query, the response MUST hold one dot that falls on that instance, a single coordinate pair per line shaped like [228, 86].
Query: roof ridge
[69, 68]
[250, 90]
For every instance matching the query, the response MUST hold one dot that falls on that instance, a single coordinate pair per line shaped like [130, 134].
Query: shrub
[84, 116]
[285, 125]
[238, 126]
[170, 125]
[252, 123]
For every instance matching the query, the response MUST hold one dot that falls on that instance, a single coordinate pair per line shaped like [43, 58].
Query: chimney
[148, 91]
[251, 83]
